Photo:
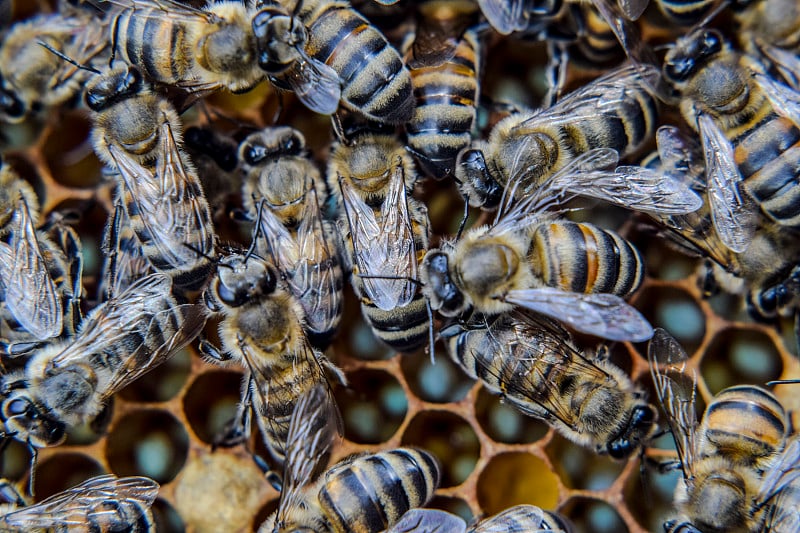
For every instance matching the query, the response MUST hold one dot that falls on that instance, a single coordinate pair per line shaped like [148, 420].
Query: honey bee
[617, 111]
[532, 363]
[325, 51]
[40, 271]
[363, 493]
[517, 519]
[124, 260]
[748, 125]
[102, 503]
[31, 78]
[736, 461]
[445, 64]
[770, 30]
[262, 328]
[283, 187]
[199, 50]
[138, 134]
[214, 155]
[574, 272]
[67, 383]
[385, 233]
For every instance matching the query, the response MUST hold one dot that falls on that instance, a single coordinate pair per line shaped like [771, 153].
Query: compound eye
[268, 282]
[132, 83]
[255, 153]
[472, 161]
[233, 298]
[712, 43]
[293, 145]
[620, 449]
[679, 70]
[17, 407]
[11, 105]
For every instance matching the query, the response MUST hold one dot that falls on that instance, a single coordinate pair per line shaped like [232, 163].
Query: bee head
[691, 53]
[12, 109]
[640, 427]
[271, 144]
[280, 39]
[475, 181]
[241, 279]
[438, 285]
[113, 87]
[673, 526]
[24, 422]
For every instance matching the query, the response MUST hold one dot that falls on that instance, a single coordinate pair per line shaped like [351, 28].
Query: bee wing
[676, 391]
[633, 9]
[786, 63]
[30, 293]
[680, 157]
[125, 262]
[73, 506]
[281, 244]
[783, 476]
[312, 431]
[619, 21]
[785, 100]
[429, 521]
[384, 249]
[316, 84]
[133, 311]
[733, 214]
[506, 16]
[436, 41]
[517, 519]
[169, 9]
[603, 315]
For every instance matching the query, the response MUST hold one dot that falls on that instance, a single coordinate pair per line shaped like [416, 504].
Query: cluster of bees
[502, 296]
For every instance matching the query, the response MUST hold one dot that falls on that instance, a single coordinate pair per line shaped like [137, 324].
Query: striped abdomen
[580, 257]
[686, 12]
[745, 422]
[369, 493]
[374, 80]
[596, 46]
[446, 98]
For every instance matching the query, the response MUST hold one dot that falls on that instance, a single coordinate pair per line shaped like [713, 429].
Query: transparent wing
[782, 482]
[98, 496]
[429, 521]
[785, 100]
[170, 9]
[505, 16]
[313, 430]
[384, 248]
[30, 293]
[125, 262]
[625, 31]
[633, 9]
[436, 41]
[734, 217]
[316, 84]
[680, 157]
[676, 390]
[786, 62]
[517, 519]
[603, 315]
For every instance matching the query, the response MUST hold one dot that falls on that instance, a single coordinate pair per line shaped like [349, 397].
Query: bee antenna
[783, 382]
[431, 338]
[256, 230]
[67, 58]
[202, 254]
[34, 457]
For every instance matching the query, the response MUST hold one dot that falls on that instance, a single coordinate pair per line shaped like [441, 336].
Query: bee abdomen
[372, 492]
[374, 80]
[404, 329]
[685, 12]
[580, 257]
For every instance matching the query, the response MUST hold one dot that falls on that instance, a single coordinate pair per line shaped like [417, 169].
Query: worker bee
[385, 233]
[214, 155]
[40, 271]
[138, 133]
[325, 52]
[748, 124]
[31, 78]
[199, 50]
[124, 260]
[770, 30]
[102, 503]
[262, 328]
[361, 493]
[532, 362]
[617, 111]
[67, 383]
[736, 461]
[283, 187]
[514, 519]
[445, 64]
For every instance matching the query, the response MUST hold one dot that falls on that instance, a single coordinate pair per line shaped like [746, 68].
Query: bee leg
[463, 218]
[334, 370]
[706, 281]
[237, 430]
[18, 349]
[208, 349]
[10, 494]
[556, 72]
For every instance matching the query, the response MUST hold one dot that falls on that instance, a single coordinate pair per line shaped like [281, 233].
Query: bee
[283, 187]
[617, 111]
[748, 125]
[214, 155]
[40, 271]
[67, 383]
[138, 133]
[514, 519]
[736, 461]
[532, 362]
[770, 30]
[124, 260]
[385, 233]
[445, 64]
[574, 272]
[262, 328]
[102, 503]
[199, 50]
[363, 493]
[325, 51]
[31, 78]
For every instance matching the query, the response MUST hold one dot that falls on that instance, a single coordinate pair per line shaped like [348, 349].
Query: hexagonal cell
[594, 516]
[69, 153]
[650, 497]
[62, 471]
[516, 478]
[738, 356]
[166, 517]
[163, 382]
[457, 506]
[441, 382]
[504, 423]
[149, 442]
[93, 430]
[450, 438]
[580, 468]
[16, 460]
[211, 402]
[676, 311]
[373, 406]
[663, 262]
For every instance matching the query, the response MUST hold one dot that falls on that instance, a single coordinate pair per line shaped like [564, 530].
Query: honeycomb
[162, 426]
